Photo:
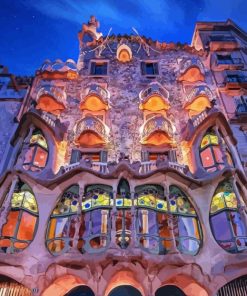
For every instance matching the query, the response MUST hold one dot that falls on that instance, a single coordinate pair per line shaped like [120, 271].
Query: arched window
[227, 223]
[22, 220]
[166, 224]
[94, 233]
[211, 152]
[61, 227]
[123, 189]
[37, 153]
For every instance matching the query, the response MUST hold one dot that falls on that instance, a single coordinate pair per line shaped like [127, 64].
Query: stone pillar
[113, 220]
[79, 216]
[222, 147]
[24, 148]
[133, 242]
[6, 205]
[241, 204]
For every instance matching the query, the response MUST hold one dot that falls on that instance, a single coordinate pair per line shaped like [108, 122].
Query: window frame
[101, 61]
[156, 69]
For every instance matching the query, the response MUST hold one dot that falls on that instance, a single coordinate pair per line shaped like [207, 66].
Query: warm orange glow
[58, 75]
[158, 138]
[193, 74]
[63, 285]
[123, 278]
[155, 103]
[187, 284]
[93, 103]
[198, 105]
[89, 139]
[49, 104]
[124, 56]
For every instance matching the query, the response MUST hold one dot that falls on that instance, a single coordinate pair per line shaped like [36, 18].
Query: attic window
[98, 68]
[149, 68]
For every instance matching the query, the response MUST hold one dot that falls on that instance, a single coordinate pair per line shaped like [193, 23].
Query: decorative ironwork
[95, 89]
[156, 123]
[190, 62]
[153, 89]
[91, 123]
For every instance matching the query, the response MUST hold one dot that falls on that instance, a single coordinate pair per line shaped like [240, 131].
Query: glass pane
[29, 155]
[238, 226]
[40, 157]
[39, 139]
[221, 227]
[218, 203]
[207, 158]
[16, 200]
[217, 154]
[56, 246]
[188, 226]
[29, 202]
[10, 226]
[62, 225]
[26, 227]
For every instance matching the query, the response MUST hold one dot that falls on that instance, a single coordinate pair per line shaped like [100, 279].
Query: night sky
[32, 31]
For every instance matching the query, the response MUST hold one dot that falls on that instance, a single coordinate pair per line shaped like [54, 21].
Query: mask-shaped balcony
[58, 70]
[157, 131]
[51, 99]
[96, 99]
[191, 70]
[154, 98]
[91, 132]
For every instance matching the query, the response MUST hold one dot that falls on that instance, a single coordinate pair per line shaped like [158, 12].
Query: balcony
[221, 42]
[149, 166]
[95, 166]
[191, 70]
[159, 125]
[152, 90]
[96, 99]
[91, 131]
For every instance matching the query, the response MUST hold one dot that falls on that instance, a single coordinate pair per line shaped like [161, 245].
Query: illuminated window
[149, 68]
[161, 220]
[37, 154]
[22, 220]
[61, 227]
[94, 232]
[210, 152]
[226, 221]
[98, 68]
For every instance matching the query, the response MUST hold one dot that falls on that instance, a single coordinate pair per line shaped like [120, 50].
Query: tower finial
[90, 29]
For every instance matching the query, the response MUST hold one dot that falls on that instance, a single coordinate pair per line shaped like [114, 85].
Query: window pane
[238, 226]
[26, 227]
[10, 226]
[221, 226]
[150, 69]
[217, 154]
[61, 227]
[40, 157]
[207, 158]
[29, 155]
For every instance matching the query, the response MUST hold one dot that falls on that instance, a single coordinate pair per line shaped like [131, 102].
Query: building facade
[125, 173]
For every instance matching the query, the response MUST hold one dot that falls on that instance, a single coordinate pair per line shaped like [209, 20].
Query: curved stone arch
[215, 120]
[47, 132]
[63, 285]
[185, 283]
[124, 277]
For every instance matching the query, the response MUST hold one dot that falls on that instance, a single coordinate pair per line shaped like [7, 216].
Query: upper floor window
[211, 152]
[149, 68]
[224, 59]
[98, 68]
[22, 220]
[37, 153]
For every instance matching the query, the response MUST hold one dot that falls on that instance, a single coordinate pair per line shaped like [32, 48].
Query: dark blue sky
[34, 30]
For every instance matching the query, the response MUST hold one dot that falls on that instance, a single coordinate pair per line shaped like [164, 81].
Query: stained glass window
[22, 220]
[37, 153]
[62, 223]
[211, 152]
[232, 233]
[161, 220]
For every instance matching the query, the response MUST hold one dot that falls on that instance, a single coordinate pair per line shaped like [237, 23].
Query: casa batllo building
[124, 173]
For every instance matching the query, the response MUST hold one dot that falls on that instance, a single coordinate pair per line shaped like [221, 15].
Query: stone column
[24, 148]
[241, 204]
[222, 147]
[6, 205]
[113, 220]
[133, 242]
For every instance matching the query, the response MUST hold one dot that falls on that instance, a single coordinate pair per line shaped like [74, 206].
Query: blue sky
[35, 30]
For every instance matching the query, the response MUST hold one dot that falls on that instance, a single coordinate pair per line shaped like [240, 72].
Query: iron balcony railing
[153, 89]
[57, 93]
[93, 124]
[98, 91]
[156, 123]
